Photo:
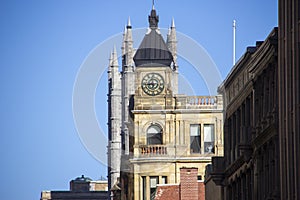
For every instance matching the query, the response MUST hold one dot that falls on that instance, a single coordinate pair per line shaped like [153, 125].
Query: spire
[123, 42]
[109, 66]
[172, 42]
[128, 31]
[127, 48]
[153, 18]
[114, 61]
[110, 58]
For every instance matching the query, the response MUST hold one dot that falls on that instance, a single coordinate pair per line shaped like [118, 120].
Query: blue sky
[44, 43]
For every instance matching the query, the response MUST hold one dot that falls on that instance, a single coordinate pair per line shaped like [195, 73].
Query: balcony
[178, 102]
[153, 150]
[199, 102]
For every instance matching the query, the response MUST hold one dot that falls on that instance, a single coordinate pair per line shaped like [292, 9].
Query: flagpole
[233, 54]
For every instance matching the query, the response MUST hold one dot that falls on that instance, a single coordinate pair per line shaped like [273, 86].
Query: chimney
[188, 184]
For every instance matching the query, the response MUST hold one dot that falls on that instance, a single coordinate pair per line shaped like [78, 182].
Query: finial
[153, 18]
[173, 23]
[153, 5]
[128, 23]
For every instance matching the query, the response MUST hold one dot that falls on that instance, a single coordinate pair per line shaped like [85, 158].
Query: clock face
[153, 84]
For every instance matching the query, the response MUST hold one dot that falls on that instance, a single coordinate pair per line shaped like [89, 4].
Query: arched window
[154, 135]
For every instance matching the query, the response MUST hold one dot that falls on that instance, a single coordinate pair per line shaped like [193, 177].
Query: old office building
[154, 132]
[262, 129]
[289, 97]
[250, 166]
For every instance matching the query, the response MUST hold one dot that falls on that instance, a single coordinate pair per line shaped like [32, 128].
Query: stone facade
[268, 166]
[114, 120]
[212, 190]
[289, 98]
[161, 131]
[166, 159]
[250, 166]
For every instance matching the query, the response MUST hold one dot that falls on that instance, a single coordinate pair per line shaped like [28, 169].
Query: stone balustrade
[201, 100]
[205, 102]
[153, 150]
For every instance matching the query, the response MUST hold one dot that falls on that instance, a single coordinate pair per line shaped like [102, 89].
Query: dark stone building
[249, 168]
[262, 130]
[289, 98]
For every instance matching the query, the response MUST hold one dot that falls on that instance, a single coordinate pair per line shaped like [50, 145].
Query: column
[147, 188]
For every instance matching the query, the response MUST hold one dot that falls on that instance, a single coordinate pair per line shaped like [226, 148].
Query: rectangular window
[153, 183]
[164, 180]
[195, 138]
[209, 138]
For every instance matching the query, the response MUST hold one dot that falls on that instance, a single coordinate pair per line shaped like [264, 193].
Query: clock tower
[156, 69]
[160, 131]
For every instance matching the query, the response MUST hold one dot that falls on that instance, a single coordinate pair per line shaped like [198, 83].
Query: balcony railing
[200, 100]
[208, 102]
[180, 102]
[153, 150]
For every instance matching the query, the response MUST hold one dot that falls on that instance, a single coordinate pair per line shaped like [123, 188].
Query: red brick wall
[201, 191]
[167, 192]
[188, 184]
[189, 188]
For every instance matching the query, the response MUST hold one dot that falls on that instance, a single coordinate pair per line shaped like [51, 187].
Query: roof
[83, 179]
[153, 50]
[167, 192]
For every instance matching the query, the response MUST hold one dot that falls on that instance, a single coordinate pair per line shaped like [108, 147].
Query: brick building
[189, 188]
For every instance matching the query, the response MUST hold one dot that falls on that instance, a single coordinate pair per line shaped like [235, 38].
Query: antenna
[153, 4]
[233, 56]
